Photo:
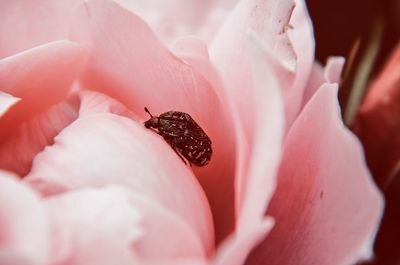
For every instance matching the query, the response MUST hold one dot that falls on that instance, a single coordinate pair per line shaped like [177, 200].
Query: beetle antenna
[145, 109]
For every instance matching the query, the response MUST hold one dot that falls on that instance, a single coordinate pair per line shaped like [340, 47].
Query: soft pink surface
[40, 77]
[113, 153]
[326, 204]
[319, 75]
[235, 250]
[29, 138]
[24, 228]
[119, 224]
[130, 64]
[270, 20]
[27, 24]
[182, 17]
[105, 225]
[256, 183]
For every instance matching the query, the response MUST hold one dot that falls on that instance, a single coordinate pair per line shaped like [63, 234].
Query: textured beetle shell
[185, 136]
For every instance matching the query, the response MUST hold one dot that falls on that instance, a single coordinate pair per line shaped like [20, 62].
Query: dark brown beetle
[183, 134]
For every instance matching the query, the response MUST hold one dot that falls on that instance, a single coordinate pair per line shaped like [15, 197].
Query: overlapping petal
[131, 65]
[115, 225]
[128, 155]
[24, 231]
[19, 149]
[176, 18]
[326, 205]
[93, 226]
[319, 75]
[40, 77]
[256, 184]
[270, 20]
[26, 24]
[236, 248]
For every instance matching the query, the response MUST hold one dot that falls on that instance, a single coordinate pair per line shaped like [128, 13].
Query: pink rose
[84, 182]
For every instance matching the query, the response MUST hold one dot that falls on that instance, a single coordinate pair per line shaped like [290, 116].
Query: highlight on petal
[6, 102]
[269, 20]
[301, 36]
[131, 65]
[24, 234]
[107, 149]
[177, 18]
[326, 205]
[256, 184]
[26, 24]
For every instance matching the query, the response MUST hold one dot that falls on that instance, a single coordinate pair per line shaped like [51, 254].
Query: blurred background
[339, 23]
[354, 28]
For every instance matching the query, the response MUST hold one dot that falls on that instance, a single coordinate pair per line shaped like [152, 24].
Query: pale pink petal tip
[331, 73]
[6, 102]
[333, 69]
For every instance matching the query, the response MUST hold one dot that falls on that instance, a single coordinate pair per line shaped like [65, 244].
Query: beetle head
[152, 122]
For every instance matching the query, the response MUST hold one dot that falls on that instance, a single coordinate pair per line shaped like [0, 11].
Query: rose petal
[235, 250]
[103, 149]
[192, 51]
[23, 224]
[268, 19]
[130, 64]
[257, 184]
[333, 69]
[160, 224]
[26, 24]
[40, 77]
[31, 137]
[302, 38]
[91, 102]
[331, 73]
[93, 227]
[315, 81]
[177, 18]
[250, 199]
[114, 225]
[326, 206]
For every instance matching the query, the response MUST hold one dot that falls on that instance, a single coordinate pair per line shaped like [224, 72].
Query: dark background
[337, 26]
[338, 23]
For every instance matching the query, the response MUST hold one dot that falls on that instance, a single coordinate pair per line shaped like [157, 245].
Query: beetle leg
[156, 131]
[181, 156]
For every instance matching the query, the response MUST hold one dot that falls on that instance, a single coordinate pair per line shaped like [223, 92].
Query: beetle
[183, 134]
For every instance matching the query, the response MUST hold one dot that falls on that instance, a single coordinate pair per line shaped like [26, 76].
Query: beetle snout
[151, 123]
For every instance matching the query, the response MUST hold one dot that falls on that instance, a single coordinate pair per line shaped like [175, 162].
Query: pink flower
[86, 183]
